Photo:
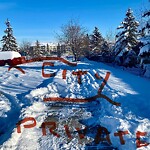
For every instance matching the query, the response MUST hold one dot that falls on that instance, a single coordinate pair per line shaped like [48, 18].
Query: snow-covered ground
[21, 96]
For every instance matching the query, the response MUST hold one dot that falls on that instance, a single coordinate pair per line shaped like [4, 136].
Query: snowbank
[147, 72]
[9, 55]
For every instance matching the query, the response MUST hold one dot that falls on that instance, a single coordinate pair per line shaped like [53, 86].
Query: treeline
[131, 45]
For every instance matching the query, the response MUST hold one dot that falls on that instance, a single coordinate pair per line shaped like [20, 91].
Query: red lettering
[51, 129]
[47, 75]
[67, 131]
[26, 126]
[98, 77]
[104, 82]
[17, 67]
[120, 134]
[81, 132]
[138, 142]
[79, 74]
[102, 131]
[64, 74]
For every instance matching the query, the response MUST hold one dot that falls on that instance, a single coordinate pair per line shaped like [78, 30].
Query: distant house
[49, 48]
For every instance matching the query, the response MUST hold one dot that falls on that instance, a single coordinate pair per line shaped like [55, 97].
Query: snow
[146, 42]
[22, 96]
[147, 70]
[4, 106]
[145, 48]
[4, 55]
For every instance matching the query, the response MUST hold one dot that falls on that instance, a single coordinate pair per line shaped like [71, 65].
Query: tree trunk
[74, 53]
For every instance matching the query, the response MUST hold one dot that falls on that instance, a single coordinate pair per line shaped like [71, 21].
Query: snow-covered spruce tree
[145, 48]
[96, 38]
[126, 39]
[98, 43]
[8, 40]
[37, 49]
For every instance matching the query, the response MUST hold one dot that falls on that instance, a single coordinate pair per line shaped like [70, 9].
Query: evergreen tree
[145, 48]
[126, 39]
[8, 40]
[47, 49]
[37, 49]
[59, 50]
[98, 43]
[96, 38]
[105, 48]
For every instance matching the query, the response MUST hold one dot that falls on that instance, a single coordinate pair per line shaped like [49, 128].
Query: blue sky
[41, 19]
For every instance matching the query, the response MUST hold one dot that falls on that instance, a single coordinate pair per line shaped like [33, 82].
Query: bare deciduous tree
[25, 48]
[110, 36]
[72, 35]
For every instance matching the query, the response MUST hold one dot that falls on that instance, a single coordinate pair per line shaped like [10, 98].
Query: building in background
[49, 48]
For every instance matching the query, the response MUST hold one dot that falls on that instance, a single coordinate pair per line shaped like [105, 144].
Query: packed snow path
[22, 97]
